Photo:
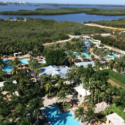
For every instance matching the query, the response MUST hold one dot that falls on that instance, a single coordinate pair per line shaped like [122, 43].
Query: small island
[60, 11]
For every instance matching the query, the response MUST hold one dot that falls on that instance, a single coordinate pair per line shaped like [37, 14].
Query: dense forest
[120, 23]
[42, 11]
[16, 36]
[111, 42]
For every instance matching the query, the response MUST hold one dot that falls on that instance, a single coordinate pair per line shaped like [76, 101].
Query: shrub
[117, 77]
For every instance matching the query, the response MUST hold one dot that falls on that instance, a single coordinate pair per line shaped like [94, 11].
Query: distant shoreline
[61, 11]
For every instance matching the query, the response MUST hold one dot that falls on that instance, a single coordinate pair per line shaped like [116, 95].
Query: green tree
[62, 96]
[55, 57]
[33, 64]
[80, 114]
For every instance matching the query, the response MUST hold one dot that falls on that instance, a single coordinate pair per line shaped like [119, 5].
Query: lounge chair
[72, 102]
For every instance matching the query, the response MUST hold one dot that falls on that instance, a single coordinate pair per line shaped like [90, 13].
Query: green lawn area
[113, 83]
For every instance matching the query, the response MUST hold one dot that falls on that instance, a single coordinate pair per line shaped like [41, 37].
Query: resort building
[85, 64]
[54, 70]
[2, 83]
[82, 93]
[115, 119]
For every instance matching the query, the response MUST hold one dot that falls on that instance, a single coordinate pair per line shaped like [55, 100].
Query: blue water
[113, 55]
[24, 61]
[56, 118]
[7, 68]
[79, 17]
[86, 55]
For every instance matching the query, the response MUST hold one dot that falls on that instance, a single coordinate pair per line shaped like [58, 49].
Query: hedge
[117, 77]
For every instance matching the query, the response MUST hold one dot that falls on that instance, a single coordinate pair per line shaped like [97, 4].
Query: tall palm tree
[97, 65]
[35, 105]
[61, 85]
[49, 86]
[14, 62]
[111, 63]
[92, 85]
[80, 114]
[15, 70]
[83, 57]
[37, 71]
[85, 84]
[33, 64]
[2, 64]
[90, 115]
[71, 74]
[62, 96]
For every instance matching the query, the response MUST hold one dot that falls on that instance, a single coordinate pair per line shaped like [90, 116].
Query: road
[107, 27]
[62, 41]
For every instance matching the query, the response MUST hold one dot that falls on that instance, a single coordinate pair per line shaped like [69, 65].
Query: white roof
[54, 70]
[82, 91]
[115, 119]
[2, 83]
[85, 64]
[101, 107]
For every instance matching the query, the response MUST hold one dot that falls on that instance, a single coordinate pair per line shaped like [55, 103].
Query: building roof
[82, 91]
[115, 119]
[53, 70]
[2, 83]
[85, 64]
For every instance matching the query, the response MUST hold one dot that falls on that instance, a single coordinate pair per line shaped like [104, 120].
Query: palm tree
[92, 85]
[35, 105]
[14, 70]
[111, 64]
[97, 65]
[37, 71]
[80, 114]
[90, 115]
[92, 56]
[83, 57]
[61, 85]
[85, 84]
[33, 64]
[109, 92]
[14, 62]
[119, 66]
[71, 74]
[62, 96]
[97, 93]
[49, 85]
[2, 64]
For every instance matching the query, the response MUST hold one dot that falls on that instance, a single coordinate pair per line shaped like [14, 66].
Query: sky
[117, 2]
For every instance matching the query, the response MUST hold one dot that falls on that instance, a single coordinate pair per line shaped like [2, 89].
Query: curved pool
[56, 118]
[85, 54]
[24, 61]
[8, 68]
[112, 56]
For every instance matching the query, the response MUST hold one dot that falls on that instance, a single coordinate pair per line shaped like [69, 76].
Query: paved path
[107, 27]
[62, 41]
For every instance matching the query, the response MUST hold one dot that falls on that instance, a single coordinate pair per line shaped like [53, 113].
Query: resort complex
[80, 81]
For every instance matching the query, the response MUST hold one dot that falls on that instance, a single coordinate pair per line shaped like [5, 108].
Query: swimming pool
[24, 61]
[7, 68]
[113, 55]
[56, 118]
[85, 54]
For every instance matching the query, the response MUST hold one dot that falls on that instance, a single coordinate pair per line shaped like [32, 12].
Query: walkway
[107, 27]
[62, 41]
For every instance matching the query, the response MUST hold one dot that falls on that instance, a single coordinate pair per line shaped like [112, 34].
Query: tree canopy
[55, 57]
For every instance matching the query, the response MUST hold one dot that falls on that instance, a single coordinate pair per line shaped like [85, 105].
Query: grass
[113, 83]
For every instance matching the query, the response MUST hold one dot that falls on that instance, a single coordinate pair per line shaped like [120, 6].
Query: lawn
[113, 83]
